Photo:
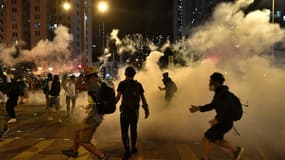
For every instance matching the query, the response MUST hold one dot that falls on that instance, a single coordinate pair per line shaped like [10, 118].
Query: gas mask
[212, 87]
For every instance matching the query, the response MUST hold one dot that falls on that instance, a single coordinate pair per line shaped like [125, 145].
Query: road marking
[5, 141]
[185, 152]
[29, 153]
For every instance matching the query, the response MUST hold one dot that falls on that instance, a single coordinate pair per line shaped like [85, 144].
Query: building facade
[25, 22]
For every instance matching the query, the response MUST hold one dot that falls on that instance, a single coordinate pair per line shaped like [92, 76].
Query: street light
[67, 6]
[102, 8]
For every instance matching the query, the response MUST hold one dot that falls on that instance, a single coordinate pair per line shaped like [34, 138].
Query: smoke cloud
[241, 45]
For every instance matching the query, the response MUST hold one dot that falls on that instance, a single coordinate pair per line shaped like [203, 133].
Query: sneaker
[70, 153]
[134, 150]
[106, 156]
[127, 156]
[237, 154]
[13, 120]
[5, 130]
[50, 118]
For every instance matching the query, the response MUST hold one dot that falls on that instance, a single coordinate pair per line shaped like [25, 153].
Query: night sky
[149, 17]
[153, 17]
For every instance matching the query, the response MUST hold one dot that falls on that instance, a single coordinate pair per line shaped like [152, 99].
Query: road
[32, 137]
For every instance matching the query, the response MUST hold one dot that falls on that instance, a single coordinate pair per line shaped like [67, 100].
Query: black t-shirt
[131, 91]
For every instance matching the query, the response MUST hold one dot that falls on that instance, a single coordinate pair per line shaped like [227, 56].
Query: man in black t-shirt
[132, 91]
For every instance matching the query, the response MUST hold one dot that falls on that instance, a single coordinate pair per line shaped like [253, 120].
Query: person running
[86, 130]
[170, 87]
[70, 91]
[131, 91]
[54, 99]
[223, 121]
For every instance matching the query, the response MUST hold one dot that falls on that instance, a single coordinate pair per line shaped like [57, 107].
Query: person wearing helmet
[89, 81]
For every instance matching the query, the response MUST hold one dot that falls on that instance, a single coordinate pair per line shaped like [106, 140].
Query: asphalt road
[33, 137]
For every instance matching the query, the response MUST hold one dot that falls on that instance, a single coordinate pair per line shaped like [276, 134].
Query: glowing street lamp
[66, 6]
[103, 7]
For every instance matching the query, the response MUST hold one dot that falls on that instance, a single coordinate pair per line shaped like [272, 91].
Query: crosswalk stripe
[185, 152]
[5, 142]
[29, 153]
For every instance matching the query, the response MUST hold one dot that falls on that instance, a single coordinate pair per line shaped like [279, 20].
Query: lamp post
[273, 17]
[67, 6]
[102, 8]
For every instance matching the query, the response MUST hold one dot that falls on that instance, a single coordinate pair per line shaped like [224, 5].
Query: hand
[146, 114]
[159, 87]
[194, 108]
[213, 122]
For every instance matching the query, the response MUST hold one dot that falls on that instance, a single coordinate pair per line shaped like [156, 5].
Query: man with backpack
[169, 87]
[54, 99]
[131, 91]
[89, 81]
[228, 109]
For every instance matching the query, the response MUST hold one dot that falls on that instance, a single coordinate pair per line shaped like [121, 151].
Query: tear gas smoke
[46, 53]
[249, 71]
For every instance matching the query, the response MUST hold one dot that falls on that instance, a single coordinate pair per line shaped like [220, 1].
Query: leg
[134, 122]
[92, 149]
[73, 101]
[67, 101]
[206, 148]
[125, 137]
[227, 145]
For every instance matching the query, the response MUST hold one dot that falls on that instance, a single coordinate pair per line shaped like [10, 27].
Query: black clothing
[55, 88]
[218, 131]
[15, 90]
[224, 116]
[131, 91]
[220, 104]
[170, 88]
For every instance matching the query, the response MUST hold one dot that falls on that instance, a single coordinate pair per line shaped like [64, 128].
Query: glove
[194, 108]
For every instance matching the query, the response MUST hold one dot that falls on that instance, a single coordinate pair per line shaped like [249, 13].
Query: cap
[217, 77]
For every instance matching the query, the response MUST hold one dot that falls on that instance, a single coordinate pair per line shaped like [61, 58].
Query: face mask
[212, 87]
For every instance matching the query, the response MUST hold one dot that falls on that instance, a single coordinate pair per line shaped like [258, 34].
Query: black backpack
[107, 101]
[236, 106]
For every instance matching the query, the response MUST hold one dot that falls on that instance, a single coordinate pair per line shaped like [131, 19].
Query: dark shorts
[217, 132]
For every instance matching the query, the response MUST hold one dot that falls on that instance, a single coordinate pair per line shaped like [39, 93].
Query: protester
[15, 89]
[46, 89]
[70, 91]
[131, 91]
[86, 130]
[54, 99]
[223, 121]
[170, 87]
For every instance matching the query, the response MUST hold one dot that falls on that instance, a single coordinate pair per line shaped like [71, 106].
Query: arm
[145, 106]
[119, 94]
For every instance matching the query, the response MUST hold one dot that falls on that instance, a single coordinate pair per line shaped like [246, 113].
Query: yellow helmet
[90, 70]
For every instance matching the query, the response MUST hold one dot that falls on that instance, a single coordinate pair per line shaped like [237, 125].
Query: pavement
[32, 137]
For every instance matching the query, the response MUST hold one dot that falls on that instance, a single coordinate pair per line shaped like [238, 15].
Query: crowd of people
[131, 94]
